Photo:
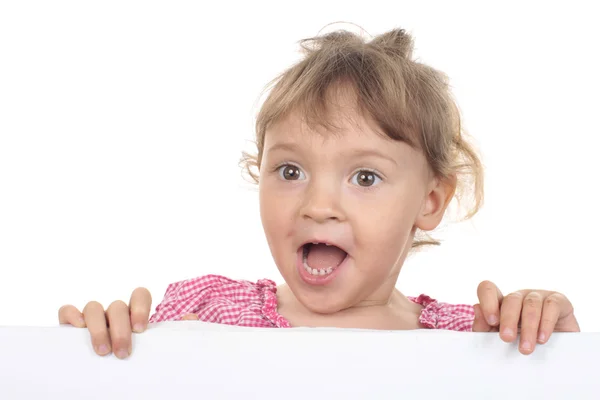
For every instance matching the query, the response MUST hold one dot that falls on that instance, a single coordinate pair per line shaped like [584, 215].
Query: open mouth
[321, 259]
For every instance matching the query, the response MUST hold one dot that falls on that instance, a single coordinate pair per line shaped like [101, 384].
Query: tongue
[321, 256]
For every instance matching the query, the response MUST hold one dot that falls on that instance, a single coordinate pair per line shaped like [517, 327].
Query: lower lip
[316, 280]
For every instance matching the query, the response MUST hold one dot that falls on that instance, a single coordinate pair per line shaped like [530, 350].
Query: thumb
[190, 317]
[479, 323]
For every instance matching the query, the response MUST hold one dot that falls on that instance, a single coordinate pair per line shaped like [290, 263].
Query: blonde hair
[408, 100]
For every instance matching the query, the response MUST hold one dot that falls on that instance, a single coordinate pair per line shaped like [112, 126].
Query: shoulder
[216, 286]
[439, 315]
[219, 299]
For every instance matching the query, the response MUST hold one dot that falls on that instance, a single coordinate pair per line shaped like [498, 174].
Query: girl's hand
[110, 330]
[538, 313]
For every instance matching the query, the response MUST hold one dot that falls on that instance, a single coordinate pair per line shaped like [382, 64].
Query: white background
[121, 125]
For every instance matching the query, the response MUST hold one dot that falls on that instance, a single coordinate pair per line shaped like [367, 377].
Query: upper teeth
[326, 244]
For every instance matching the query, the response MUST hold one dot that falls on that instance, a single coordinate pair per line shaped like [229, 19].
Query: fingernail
[542, 337]
[103, 349]
[138, 328]
[492, 319]
[526, 346]
[122, 353]
[81, 321]
[508, 332]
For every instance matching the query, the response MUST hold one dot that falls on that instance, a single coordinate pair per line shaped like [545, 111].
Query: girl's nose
[322, 204]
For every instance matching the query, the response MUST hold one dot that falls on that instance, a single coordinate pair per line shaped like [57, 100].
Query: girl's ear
[440, 194]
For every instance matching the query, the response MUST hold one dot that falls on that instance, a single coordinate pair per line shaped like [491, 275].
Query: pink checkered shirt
[222, 300]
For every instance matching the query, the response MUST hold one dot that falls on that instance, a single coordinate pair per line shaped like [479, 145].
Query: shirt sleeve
[221, 300]
[438, 315]
[186, 297]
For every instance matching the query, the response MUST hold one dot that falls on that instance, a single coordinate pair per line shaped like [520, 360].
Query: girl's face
[340, 209]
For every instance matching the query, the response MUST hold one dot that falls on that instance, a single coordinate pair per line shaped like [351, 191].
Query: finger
[139, 308]
[120, 328]
[490, 298]
[530, 321]
[510, 315]
[190, 317]
[479, 323]
[93, 314]
[566, 320]
[556, 306]
[69, 314]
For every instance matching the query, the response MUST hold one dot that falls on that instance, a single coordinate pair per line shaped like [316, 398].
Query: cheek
[385, 236]
[273, 213]
[383, 243]
[384, 226]
[267, 209]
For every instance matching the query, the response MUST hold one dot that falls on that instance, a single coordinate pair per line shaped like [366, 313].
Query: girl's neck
[399, 313]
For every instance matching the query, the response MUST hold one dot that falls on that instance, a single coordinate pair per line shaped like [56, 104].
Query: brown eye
[290, 172]
[366, 178]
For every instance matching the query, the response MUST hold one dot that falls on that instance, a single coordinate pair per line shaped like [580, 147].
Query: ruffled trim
[437, 315]
[268, 290]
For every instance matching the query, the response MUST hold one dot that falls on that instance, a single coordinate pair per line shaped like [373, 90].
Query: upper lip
[326, 242]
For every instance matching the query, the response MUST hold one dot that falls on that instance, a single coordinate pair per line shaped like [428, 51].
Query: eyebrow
[292, 147]
[373, 153]
[282, 146]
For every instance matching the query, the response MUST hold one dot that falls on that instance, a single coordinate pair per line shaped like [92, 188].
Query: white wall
[121, 126]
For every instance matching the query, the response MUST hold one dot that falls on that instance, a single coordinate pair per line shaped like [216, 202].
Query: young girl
[360, 151]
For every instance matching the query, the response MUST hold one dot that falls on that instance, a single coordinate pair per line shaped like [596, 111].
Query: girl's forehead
[340, 115]
[336, 125]
[348, 139]
[339, 122]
